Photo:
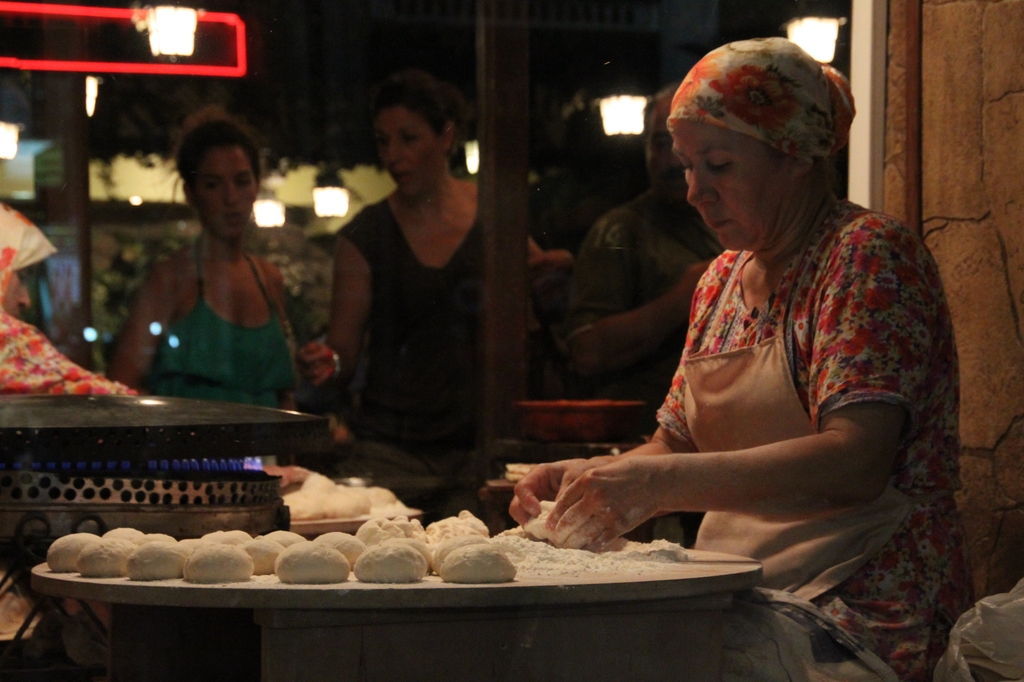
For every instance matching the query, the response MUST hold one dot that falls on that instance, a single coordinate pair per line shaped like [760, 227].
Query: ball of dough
[63, 553]
[536, 527]
[264, 553]
[125, 534]
[305, 506]
[107, 558]
[215, 562]
[418, 545]
[477, 564]
[311, 563]
[191, 543]
[285, 538]
[346, 503]
[349, 545]
[156, 537]
[394, 562]
[411, 527]
[380, 529]
[157, 561]
[380, 496]
[445, 547]
[318, 484]
[228, 537]
[455, 526]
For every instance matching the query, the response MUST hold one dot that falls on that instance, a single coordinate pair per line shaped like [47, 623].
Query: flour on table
[535, 559]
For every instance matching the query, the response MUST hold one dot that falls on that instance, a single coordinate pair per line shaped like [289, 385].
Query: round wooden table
[662, 624]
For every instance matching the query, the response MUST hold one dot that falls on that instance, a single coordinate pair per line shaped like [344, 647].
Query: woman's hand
[545, 482]
[604, 502]
[316, 363]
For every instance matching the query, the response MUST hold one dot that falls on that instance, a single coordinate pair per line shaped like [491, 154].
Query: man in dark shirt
[633, 281]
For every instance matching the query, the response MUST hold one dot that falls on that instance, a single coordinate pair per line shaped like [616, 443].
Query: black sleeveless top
[421, 352]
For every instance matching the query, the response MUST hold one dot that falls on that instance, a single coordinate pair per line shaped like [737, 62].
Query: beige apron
[746, 398]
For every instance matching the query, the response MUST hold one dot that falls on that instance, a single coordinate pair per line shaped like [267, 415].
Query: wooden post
[502, 43]
[64, 188]
[912, 93]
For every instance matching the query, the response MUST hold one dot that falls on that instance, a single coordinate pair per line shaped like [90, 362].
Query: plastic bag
[987, 642]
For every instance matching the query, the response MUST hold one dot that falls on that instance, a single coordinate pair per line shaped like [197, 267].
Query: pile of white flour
[540, 560]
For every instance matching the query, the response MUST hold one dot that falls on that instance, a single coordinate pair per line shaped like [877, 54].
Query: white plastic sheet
[987, 642]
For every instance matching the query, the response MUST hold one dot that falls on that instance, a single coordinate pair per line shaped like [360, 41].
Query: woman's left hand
[605, 502]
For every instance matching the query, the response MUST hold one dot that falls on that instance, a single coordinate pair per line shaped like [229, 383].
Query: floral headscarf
[28, 361]
[772, 90]
[21, 244]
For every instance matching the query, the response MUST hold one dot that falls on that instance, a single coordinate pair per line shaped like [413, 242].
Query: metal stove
[170, 465]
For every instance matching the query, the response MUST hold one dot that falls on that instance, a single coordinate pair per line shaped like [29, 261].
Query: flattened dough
[63, 553]
[107, 558]
[214, 562]
[157, 561]
[484, 563]
[394, 562]
[311, 563]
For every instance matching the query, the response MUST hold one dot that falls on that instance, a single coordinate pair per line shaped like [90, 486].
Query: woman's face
[748, 194]
[16, 298]
[224, 191]
[414, 155]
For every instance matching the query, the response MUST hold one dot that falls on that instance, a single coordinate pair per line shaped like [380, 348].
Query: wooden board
[709, 573]
[313, 528]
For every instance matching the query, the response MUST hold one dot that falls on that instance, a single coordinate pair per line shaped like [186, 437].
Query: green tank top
[204, 356]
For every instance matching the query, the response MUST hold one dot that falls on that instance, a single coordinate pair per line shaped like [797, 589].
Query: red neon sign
[220, 27]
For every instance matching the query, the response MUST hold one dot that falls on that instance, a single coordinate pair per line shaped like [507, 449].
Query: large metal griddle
[172, 465]
[143, 433]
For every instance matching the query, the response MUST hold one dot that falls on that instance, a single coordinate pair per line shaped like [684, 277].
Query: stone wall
[973, 213]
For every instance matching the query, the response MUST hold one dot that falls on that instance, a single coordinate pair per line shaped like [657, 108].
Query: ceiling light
[472, 148]
[268, 212]
[816, 35]
[8, 140]
[623, 114]
[172, 30]
[92, 89]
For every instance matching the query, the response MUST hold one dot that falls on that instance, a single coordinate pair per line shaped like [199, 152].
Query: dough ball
[107, 558]
[380, 496]
[311, 563]
[393, 562]
[412, 528]
[263, 552]
[346, 503]
[443, 549]
[125, 534]
[156, 537]
[63, 553]
[305, 506]
[285, 538]
[349, 545]
[535, 527]
[476, 563]
[157, 561]
[191, 543]
[228, 537]
[418, 545]
[215, 562]
[318, 484]
[455, 526]
[378, 530]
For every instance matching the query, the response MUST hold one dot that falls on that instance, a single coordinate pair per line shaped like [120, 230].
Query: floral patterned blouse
[30, 364]
[865, 319]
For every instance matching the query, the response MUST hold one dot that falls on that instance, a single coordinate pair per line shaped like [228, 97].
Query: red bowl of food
[579, 421]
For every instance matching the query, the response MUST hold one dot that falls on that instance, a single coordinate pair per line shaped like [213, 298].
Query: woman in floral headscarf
[814, 412]
[28, 361]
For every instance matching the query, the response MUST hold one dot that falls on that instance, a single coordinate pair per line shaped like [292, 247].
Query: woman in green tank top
[209, 321]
